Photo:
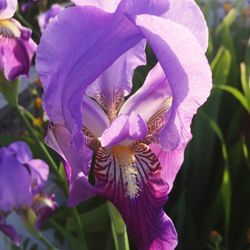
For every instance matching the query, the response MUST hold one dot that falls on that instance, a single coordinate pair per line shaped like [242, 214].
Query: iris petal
[140, 207]
[7, 8]
[10, 232]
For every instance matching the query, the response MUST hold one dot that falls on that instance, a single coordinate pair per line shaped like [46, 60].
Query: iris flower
[22, 179]
[86, 59]
[16, 46]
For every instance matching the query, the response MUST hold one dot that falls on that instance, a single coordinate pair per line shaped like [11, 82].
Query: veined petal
[16, 49]
[155, 94]
[77, 163]
[7, 8]
[124, 130]
[66, 74]
[134, 183]
[116, 82]
[13, 192]
[94, 118]
[193, 19]
[187, 72]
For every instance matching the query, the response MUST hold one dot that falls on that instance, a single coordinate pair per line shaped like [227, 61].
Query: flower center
[9, 29]
[126, 160]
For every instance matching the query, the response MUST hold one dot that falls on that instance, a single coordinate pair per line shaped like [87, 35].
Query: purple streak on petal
[152, 95]
[10, 232]
[146, 221]
[45, 18]
[7, 8]
[77, 163]
[65, 74]
[118, 77]
[21, 151]
[16, 52]
[94, 118]
[187, 71]
[193, 19]
[13, 192]
[39, 171]
[124, 128]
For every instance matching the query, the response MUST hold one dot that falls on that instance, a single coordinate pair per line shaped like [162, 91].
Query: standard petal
[193, 19]
[7, 8]
[138, 191]
[13, 192]
[116, 82]
[16, 49]
[154, 94]
[94, 118]
[21, 151]
[187, 72]
[39, 171]
[67, 68]
[77, 163]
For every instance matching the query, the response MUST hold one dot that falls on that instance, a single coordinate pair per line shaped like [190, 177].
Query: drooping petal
[101, 38]
[135, 185]
[21, 151]
[188, 14]
[124, 129]
[13, 192]
[45, 18]
[7, 8]
[16, 49]
[39, 171]
[10, 232]
[116, 82]
[154, 95]
[94, 118]
[77, 163]
[187, 72]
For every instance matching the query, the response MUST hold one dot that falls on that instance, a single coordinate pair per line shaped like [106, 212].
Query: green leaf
[237, 94]
[245, 80]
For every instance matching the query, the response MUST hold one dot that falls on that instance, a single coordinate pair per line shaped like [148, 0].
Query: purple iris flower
[21, 182]
[138, 144]
[45, 18]
[16, 46]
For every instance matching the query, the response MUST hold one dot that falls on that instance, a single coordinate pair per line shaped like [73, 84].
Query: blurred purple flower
[45, 18]
[86, 71]
[16, 46]
[21, 182]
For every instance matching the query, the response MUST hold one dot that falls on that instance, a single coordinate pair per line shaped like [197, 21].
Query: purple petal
[187, 72]
[77, 163]
[154, 94]
[11, 233]
[94, 118]
[124, 129]
[193, 19]
[7, 8]
[13, 192]
[39, 171]
[16, 49]
[21, 151]
[99, 41]
[116, 82]
[45, 18]
[139, 191]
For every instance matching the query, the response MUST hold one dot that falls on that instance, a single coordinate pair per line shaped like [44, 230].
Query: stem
[79, 228]
[46, 242]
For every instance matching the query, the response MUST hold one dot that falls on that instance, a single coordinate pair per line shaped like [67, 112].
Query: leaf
[245, 80]
[237, 94]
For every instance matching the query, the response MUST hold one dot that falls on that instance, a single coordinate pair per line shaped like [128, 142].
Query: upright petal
[65, 74]
[193, 19]
[77, 163]
[138, 191]
[7, 8]
[187, 72]
[21, 151]
[116, 82]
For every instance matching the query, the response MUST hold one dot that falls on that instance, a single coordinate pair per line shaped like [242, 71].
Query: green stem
[46, 242]
[79, 228]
